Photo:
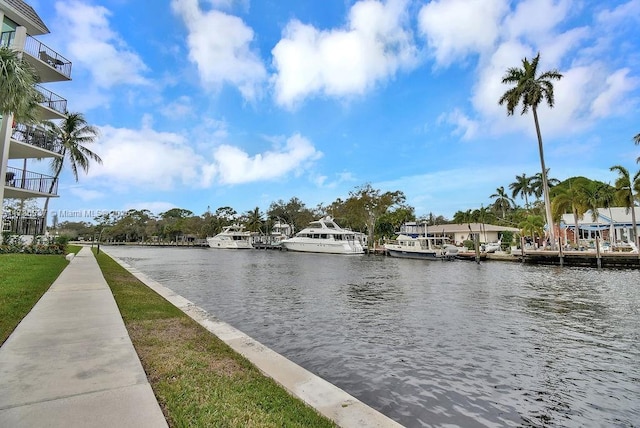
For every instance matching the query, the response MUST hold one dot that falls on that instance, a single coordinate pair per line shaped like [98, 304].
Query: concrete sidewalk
[71, 363]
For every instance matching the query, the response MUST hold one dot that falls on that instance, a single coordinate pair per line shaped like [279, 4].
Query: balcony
[49, 64]
[23, 184]
[53, 106]
[29, 142]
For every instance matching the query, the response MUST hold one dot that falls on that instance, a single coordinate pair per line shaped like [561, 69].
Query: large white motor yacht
[324, 236]
[233, 237]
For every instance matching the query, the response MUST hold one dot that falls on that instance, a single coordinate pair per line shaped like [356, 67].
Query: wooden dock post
[476, 240]
[598, 255]
[560, 253]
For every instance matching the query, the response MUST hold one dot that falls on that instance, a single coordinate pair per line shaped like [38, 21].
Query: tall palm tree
[522, 187]
[18, 94]
[537, 186]
[636, 140]
[625, 187]
[502, 202]
[74, 133]
[531, 89]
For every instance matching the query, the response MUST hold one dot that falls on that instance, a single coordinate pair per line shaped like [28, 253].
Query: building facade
[611, 224]
[21, 142]
[458, 233]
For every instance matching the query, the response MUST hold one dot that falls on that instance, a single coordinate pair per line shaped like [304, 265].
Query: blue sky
[216, 103]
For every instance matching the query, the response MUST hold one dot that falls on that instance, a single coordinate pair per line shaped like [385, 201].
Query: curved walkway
[71, 363]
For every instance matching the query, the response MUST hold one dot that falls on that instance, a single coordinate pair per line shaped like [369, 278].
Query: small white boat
[233, 237]
[273, 240]
[424, 248]
[324, 236]
[491, 247]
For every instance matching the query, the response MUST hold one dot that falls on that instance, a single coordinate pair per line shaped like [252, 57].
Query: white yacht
[427, 248]
[234, 237]
[324, 236]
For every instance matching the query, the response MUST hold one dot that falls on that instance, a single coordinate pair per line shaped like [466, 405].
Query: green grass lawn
[24, 278]
[199, 381]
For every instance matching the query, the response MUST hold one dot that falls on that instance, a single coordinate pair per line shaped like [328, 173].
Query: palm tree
[483, 216]
[537, 186]
[461, 217]
[522, 187]
[73, 133]
[530, 90]
[502, 201]
[607, 197]
[18, 94]
[253, 220]
[532, 226]
[636, 140]
[625, 186]
[571, 199]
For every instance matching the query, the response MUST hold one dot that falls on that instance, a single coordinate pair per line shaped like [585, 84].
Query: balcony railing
[24, 225]
[38, 49]
[52, 100]
[35, 137]
[31, 181]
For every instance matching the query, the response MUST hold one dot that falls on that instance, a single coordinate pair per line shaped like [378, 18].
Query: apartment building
[20, 142]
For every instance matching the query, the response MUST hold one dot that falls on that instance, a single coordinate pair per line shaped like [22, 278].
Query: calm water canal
[432, 343]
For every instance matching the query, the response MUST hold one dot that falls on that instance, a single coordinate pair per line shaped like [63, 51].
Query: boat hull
[229, 244]
[323, 247]
[418, 255]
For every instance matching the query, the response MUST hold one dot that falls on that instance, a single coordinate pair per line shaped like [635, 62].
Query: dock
[573, 258]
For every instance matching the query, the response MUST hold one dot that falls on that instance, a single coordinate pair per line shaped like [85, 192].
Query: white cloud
[96, 47]
[611, 98]
[85, 194]
[232, 165]
[145, 158]
[375, 44]
[466, 127]
[456, 28]
[178, 109]
[154, 160]
[220, 46]
[625, 11]
[535, 19]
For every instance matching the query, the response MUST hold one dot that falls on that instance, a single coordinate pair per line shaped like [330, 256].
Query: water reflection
[431, 343]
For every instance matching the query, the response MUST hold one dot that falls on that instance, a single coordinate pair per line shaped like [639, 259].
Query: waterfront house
[458, 233]
[21, 142]
[612, 224]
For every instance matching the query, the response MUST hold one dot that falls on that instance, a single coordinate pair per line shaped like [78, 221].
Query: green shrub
[468, 244]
